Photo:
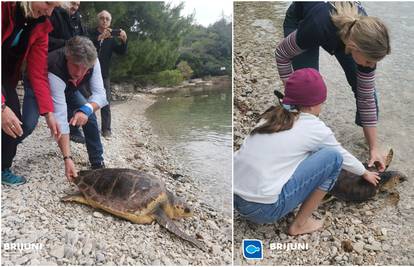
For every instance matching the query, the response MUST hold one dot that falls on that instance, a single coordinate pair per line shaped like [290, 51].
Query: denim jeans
[310, 57]
[319, 170]
[74, 99]
[30, 112]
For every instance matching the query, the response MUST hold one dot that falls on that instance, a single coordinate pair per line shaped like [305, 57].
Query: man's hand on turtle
[375, 156]
[70, 170]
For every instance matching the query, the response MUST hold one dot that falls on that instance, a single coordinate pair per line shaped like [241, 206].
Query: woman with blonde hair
[24, 29]
[357, 41]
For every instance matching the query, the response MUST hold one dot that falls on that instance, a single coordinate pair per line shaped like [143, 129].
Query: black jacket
[105, 49]
[64, 27]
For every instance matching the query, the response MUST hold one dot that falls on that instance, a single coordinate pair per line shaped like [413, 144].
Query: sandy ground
[72, 234]
[378, 231]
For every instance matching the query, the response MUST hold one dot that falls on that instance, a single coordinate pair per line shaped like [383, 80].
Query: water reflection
[195, 125]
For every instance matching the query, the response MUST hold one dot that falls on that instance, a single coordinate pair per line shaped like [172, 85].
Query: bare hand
[123, 36]
[375, 156]
[105, 35]
[10, 124]
[53, 125]
[371, 177]
[70, 170]
[79, 119]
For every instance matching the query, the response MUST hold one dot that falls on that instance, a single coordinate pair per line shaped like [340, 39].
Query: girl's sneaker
[9, 178]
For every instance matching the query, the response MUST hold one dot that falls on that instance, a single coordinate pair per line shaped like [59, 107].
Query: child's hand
[371, 177]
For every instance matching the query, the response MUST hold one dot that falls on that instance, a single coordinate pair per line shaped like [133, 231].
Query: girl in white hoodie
[291, 157]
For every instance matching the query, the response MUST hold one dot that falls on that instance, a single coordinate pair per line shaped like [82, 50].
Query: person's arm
[122, 47]
[70, 169]
[37, 74]
[98, 97]
[285, 52]
[57, 87]
[367, 110]
[350, 163]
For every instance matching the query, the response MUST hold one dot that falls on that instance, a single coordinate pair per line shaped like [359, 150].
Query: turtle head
[181, 209]
[177, 207]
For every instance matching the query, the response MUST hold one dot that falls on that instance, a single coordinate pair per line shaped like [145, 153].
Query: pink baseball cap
[305, 87]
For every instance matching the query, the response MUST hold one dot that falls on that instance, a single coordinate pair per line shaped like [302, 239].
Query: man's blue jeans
[319, 170]
[74, 100]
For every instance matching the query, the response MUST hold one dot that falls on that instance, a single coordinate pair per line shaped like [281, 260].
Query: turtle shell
[122, 190]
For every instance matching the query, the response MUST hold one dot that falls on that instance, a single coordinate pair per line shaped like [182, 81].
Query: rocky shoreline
[72, 234]
[378, 232]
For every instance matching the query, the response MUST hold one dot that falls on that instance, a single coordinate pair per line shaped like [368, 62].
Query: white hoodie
[265, 162]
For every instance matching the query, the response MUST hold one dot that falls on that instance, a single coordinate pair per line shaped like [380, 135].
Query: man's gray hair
[81, 50]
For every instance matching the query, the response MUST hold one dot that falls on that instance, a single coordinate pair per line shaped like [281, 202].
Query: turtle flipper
[168, 224]
[77, 197]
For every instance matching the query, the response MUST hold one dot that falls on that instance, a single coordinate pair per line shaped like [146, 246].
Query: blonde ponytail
[367, 34]
[27, 8]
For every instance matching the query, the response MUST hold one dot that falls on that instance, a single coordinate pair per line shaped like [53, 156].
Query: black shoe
[77, 138]
[97, 166]
[106, 133]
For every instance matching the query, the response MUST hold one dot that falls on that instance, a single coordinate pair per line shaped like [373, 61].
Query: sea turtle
[133, 195]
[351, 187]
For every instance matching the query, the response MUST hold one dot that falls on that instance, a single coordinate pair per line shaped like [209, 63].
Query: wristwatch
[3, 106]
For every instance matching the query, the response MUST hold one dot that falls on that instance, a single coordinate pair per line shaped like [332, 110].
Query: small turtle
[351, 187]
[133, 195]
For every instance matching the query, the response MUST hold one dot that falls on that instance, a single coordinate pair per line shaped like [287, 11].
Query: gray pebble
[334, 251]
[34, 262]
[156, 262]
[72, 224]
[68, 251]
[216, 249]
[58, 252]
[166, 261]
[358, 237]
[183, 262]
[71, 237]
[386, 247]
[100, 257]
[97, 214]
[87, 248]
[338, 258]
[359, 247]
[21, 260]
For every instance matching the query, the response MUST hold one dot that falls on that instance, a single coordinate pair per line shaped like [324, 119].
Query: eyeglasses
[105, 18]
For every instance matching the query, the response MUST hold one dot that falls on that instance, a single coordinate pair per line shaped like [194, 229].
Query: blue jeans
[310, 57]
[74, 99]
[319, 170]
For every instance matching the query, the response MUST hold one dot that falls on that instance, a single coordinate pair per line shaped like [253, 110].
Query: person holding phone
[105, 40]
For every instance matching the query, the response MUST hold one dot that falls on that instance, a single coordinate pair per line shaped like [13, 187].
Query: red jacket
[35, 56]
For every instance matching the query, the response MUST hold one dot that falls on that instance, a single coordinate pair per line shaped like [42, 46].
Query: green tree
[185, 69]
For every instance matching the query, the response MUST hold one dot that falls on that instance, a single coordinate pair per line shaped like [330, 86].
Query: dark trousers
[74, 100]
[310, 57]
[9, 144]
[106, 111]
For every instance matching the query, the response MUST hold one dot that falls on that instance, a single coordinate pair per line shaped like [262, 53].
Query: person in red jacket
[24, 29]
